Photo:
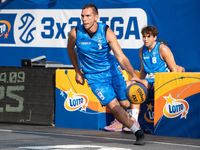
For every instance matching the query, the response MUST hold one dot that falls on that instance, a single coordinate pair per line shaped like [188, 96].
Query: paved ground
[27, 137]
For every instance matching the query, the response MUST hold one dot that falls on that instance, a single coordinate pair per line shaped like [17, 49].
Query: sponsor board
[76, 105]
[44, 28]
[177, 97]
[146, 116]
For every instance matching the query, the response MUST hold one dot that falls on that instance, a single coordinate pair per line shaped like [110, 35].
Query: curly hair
[150, 30]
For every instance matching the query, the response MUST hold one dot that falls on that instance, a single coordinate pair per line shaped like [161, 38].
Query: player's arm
[122, 59]
[142, 74]
[168, 57]
[73, 56]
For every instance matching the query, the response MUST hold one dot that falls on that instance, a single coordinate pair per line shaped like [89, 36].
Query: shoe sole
[139, 143]
[127, 131]
[112, 130]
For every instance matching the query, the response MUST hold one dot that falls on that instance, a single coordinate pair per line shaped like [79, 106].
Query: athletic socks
[135, 113]
[135, 127]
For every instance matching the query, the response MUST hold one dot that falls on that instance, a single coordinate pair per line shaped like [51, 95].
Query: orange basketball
[136, 93]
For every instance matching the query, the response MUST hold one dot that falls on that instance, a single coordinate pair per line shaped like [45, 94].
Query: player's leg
[119, 87]
[105, 93]
[135, 108]
[119, 113]
[122, 116]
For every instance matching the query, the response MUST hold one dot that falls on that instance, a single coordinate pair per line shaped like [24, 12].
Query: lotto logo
[4, 28]
[175, 107]
[74, 102]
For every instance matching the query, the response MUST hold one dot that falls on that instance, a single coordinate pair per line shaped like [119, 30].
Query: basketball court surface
[33, 137]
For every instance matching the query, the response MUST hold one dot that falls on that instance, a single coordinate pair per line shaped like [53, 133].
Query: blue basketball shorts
[115, 87]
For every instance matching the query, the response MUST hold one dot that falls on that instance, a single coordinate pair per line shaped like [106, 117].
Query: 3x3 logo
[7, 28]
[27, 20]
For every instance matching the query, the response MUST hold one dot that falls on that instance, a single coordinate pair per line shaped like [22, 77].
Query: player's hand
[79, 78]
[143, 81]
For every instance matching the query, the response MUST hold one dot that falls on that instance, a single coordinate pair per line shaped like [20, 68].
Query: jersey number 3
[100, 46]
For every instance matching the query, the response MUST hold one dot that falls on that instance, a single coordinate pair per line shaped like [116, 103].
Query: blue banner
[30, 28]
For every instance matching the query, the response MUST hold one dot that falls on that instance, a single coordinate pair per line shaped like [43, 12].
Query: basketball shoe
[115, 126]
[140, 139]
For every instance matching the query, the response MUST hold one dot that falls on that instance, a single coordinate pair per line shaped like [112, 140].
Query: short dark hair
[150, 30]
[94, 8]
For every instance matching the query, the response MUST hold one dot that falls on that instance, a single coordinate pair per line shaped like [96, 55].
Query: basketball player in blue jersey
[98, 66]
[155, 57]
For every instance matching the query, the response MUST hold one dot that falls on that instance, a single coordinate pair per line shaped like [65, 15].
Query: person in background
[93, 41]
[179, 68]
[2, 1]
[155, 57]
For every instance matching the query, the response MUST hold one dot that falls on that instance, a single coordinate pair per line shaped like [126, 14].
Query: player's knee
[146, 83]
[116, 110]
[125, 104]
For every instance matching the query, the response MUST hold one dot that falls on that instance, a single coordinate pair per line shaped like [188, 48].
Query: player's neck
[93, 28]
[91, 33]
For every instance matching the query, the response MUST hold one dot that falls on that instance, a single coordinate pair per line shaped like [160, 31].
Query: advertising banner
[146, 116]
[76, 105]
[30, 28]
[177, 102]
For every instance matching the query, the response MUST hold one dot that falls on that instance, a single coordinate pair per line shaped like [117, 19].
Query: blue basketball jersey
[94, 53]
[99, 65]
[152, 62]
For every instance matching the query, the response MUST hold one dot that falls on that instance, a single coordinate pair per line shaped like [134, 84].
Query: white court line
[86, 136]
[65, 147]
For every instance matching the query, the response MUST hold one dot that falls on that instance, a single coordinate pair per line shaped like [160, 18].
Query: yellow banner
[170, 91]
[79, 96]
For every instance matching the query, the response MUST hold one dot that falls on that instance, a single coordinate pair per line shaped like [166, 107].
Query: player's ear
[155, 38]
[96, 17]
